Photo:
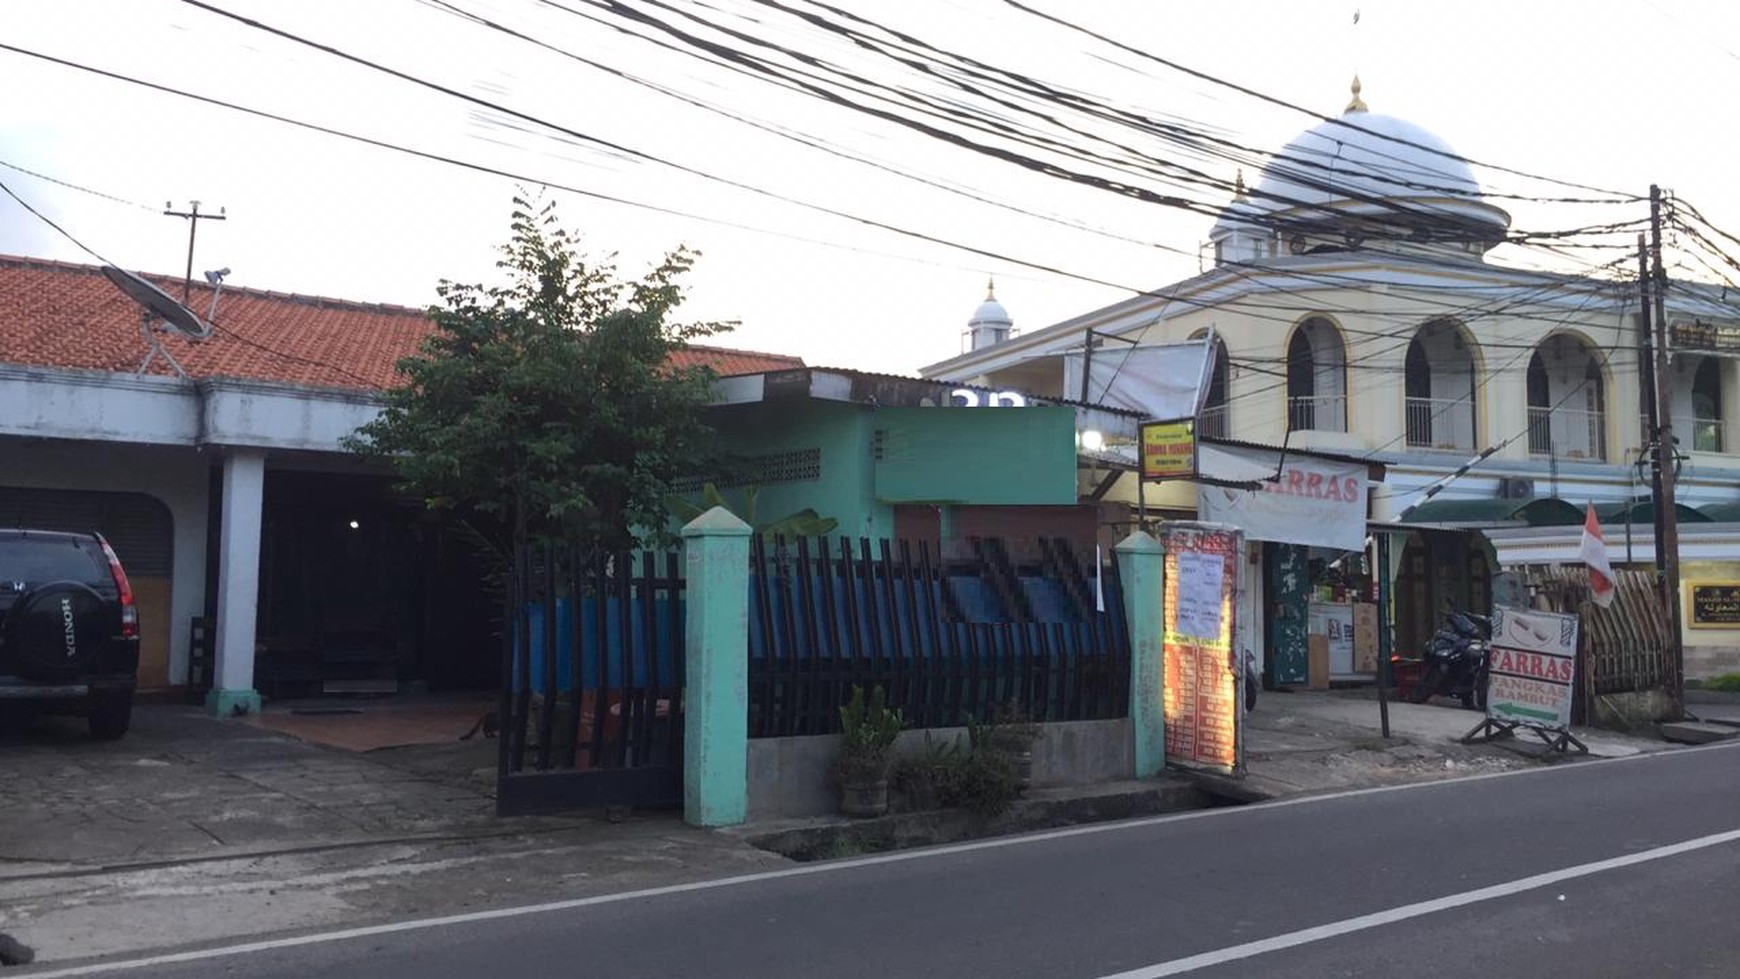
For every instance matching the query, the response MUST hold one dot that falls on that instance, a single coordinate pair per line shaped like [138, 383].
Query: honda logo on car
[66, 621]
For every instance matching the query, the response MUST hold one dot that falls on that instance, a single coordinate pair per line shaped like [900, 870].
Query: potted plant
[868, 728]
[1007, 735]
[922, 781]
[1014, 736]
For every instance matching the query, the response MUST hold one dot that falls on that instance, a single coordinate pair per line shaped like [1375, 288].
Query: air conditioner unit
[1515, 488]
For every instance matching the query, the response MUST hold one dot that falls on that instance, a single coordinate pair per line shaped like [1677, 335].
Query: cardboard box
[1317, 663]
[1365, 637]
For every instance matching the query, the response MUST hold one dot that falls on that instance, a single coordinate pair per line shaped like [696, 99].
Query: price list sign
[1202, 679]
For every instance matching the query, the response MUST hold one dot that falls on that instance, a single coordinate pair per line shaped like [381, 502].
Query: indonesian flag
[1594, 554]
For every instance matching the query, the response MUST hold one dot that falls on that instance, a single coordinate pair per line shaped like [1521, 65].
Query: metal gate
[947, 641]
[592, 681]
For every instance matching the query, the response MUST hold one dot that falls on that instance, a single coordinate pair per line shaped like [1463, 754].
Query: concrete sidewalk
[1319, 741]
[194, 830]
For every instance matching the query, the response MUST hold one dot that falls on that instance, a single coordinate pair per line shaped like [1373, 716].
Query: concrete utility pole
[1667, 540]
[1649, 395]
[193, 219]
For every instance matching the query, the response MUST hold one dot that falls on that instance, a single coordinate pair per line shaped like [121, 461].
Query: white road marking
[832, 866]
[1378, 919]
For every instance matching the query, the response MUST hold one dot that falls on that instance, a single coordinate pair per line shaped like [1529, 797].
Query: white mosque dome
[990, 312]
[1377, 171]
[990, 323]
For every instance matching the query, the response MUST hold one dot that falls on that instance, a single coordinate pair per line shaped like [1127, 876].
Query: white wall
[177, 476]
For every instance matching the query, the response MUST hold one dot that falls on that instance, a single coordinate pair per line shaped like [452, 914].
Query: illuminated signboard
[1168, 450]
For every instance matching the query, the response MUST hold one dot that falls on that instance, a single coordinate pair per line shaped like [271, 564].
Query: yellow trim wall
[1709, 652]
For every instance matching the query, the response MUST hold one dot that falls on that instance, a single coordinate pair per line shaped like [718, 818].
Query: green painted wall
[843, 490]
[927, 455]
[976, 455]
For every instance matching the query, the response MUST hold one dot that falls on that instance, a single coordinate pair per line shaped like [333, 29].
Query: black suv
[69, 631]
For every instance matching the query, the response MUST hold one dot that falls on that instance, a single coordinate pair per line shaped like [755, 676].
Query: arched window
[1212, 423]
[1567, 400]
[1707, 406]
[1439, 388]
[1316, 378]
[1537, 382]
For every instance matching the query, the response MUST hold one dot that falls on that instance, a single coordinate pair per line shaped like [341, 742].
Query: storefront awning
[1549, 511]
[1643, 512]
[1721, 512]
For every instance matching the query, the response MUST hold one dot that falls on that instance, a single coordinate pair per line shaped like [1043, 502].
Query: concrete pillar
[716, 670]
[238, 584]
[1142, 568]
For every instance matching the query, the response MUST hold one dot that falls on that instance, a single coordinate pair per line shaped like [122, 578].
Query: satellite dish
[156, 307]
[158, 303]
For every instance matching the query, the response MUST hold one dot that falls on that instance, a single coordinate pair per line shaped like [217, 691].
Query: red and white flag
[1594, 554]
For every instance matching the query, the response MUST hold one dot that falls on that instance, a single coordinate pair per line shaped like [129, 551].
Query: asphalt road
[1586, 870]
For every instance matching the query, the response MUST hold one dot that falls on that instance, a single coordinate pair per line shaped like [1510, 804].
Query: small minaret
[990, 323]
[1238, 237]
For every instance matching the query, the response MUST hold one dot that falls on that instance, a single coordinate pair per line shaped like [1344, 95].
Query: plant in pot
[1015, 736]
[1009, 734]
[868, 728]
[922, 780]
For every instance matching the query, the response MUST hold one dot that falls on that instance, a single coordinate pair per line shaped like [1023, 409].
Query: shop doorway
[1441, 569]
[361, 591]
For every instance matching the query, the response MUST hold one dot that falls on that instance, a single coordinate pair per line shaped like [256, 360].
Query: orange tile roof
[60, 314]
[726, 361]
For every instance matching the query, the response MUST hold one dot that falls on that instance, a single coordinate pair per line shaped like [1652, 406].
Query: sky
[843, 237]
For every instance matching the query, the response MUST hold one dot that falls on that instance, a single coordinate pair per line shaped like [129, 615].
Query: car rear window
[38, 560]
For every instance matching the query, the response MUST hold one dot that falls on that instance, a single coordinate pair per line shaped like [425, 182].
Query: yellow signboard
[1168, 450]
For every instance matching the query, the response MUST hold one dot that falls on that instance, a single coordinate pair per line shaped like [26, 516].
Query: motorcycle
[1456, 661]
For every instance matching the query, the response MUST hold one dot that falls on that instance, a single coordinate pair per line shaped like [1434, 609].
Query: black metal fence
[592, 682]
[946, 641]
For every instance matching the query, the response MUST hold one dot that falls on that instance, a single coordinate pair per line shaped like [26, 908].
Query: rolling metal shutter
[139, 527]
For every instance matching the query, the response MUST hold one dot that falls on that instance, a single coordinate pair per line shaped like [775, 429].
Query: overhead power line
[1283, 103]
[72, 186]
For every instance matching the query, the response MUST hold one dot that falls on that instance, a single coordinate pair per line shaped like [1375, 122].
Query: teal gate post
[1141, 568]
[716, 669]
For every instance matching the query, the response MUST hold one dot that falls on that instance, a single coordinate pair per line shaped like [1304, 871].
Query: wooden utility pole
[1667, 541]
[193, 219]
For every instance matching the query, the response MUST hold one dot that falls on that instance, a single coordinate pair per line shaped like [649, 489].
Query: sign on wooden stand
[1531, 673]
[1203, 673]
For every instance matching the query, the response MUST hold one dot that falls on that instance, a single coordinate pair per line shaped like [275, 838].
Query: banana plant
[802, 523]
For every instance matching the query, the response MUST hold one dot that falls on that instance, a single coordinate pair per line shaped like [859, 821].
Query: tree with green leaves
[548, 408]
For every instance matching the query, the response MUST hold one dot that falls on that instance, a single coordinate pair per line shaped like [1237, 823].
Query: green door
[1289, 594]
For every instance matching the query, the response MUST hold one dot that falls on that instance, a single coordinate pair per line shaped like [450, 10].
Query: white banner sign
[1533, 668]
[1317, 502]
[1162, 381]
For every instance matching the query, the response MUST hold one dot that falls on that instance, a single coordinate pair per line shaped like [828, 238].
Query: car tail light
[129, 611]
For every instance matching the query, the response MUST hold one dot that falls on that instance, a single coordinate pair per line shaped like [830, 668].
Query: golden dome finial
[990, 288]
[1356, 104]
[1239, 184]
